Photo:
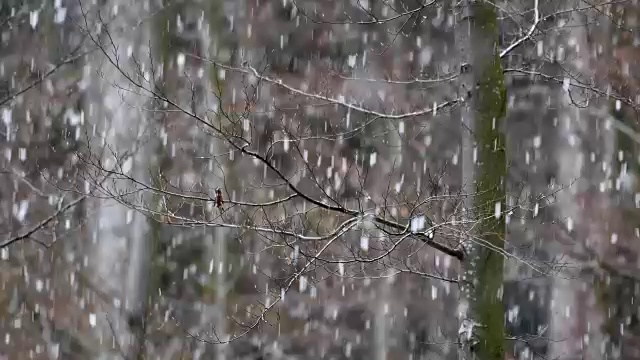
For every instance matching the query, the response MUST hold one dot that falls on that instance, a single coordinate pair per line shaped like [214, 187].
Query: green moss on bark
[490, 108]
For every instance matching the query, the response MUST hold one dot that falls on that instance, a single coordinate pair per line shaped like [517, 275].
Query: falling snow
[308, 160]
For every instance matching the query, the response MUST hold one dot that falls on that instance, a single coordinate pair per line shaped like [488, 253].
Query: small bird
[219, 198]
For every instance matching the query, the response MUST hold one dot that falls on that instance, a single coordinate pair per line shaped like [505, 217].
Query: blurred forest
[319, 179]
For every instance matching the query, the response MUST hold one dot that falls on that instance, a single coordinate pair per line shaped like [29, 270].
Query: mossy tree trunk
[484, 171]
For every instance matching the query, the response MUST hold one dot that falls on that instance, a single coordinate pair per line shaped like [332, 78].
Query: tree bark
[483, 174]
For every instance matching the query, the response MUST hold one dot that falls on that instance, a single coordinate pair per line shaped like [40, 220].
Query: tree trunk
[484, 166]
[121, 235]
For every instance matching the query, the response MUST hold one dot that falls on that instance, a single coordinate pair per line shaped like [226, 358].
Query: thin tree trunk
[380, 327]
[213, 29]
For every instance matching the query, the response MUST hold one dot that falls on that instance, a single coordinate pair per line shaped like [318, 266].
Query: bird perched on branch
[219, 199]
